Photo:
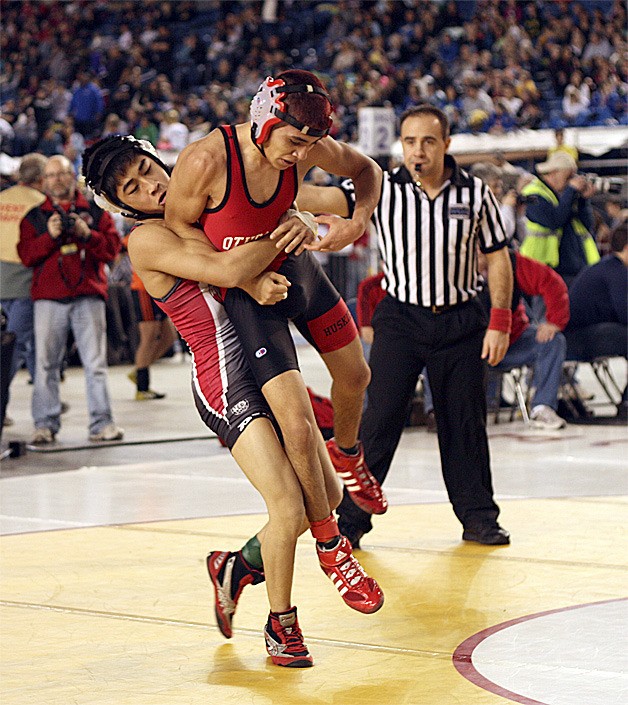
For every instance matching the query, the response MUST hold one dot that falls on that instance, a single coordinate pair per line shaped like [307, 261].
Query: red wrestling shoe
[363, 488]
[359, 591]
[230, 574]
[284, 640]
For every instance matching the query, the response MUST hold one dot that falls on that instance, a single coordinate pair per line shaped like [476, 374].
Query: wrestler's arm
[190, 187]
[342, 160]
[155, 248]
[322, 199]
[190, 184]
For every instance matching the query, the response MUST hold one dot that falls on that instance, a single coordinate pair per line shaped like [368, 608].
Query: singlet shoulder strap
[227, 132]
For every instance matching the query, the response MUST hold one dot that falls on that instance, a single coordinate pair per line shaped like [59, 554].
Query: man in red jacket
[67, 242]
[541, 346]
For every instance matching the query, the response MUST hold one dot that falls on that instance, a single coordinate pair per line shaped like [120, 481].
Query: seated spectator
[575, 106]
[73, 143]
[114, 125]
[599, 306]
[87, 104]
[475, 100]
[510, 100]
[540, 346]
[560, 146]
[598, 45]
[173, 134]
[51, 142]
[147, 130]
[501, 121]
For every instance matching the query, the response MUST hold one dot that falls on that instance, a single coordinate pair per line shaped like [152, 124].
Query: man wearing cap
[559, 217]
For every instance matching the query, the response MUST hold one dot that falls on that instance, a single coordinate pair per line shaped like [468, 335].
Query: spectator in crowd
[67, 241]
[7, 132]
[575, 106]
[51, 141]
[560, 146]
[494, 46]
[157, 336]
[87, 105]
[538, 346]
[147, 130]
[73, 143]
[114, 125]
[599, 308]
[476, 101]
[559, 216]
[430, 316]
[616, 211]
[598, 45]
[15, 278]
[173, 134]
[491, 175]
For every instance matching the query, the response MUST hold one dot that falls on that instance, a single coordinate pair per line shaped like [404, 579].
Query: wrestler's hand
[495, 346]
[292, 234]
[267, 288]
[336, 233]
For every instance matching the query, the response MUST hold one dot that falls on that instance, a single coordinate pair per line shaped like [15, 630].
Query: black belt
[445, 307]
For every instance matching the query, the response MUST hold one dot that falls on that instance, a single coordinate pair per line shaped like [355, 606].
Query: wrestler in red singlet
[238, 218]
[313, 304]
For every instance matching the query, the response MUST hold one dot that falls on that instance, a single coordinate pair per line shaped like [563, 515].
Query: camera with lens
[68, 245]
[605, 184]
[68, 220]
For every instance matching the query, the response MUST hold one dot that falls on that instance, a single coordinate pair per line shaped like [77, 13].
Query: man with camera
[559, 217]
[67, 241]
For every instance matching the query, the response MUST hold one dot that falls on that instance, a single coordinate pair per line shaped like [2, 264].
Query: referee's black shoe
[487, 534]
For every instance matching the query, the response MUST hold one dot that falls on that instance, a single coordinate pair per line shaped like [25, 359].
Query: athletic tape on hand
[305, 217]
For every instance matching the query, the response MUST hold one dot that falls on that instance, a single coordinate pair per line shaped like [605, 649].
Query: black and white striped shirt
[428, 247]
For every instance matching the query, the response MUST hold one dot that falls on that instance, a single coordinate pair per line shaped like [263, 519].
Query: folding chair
[515, 376]
[603, 373]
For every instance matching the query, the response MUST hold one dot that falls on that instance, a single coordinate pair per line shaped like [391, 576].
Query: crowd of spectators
[169, 72]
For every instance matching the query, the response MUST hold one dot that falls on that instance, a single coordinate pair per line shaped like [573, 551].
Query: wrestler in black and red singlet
[313, 304]
[225, 392]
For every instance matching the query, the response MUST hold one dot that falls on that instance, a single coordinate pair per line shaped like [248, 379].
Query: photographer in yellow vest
[559, 217]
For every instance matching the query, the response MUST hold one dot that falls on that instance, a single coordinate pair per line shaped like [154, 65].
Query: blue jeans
[546, 359]
[85, 315]
[20, 321]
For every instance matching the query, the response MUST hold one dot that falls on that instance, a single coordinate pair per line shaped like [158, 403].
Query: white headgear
[268, 109]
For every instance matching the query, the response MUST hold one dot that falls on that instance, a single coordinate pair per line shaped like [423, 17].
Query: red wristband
[501, 319]
[325, 529]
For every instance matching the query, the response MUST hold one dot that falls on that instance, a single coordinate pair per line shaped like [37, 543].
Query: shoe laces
[351, 571]
[292, 637]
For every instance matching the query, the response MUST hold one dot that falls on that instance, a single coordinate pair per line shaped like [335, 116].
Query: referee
[430, 219]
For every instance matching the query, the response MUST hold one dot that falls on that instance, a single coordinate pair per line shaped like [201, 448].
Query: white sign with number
[376, 130]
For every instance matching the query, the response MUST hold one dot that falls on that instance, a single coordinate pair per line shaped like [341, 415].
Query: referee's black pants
[407, 338]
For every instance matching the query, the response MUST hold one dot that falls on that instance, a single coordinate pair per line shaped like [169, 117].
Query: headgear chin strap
[94, 171]
[268, 109]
